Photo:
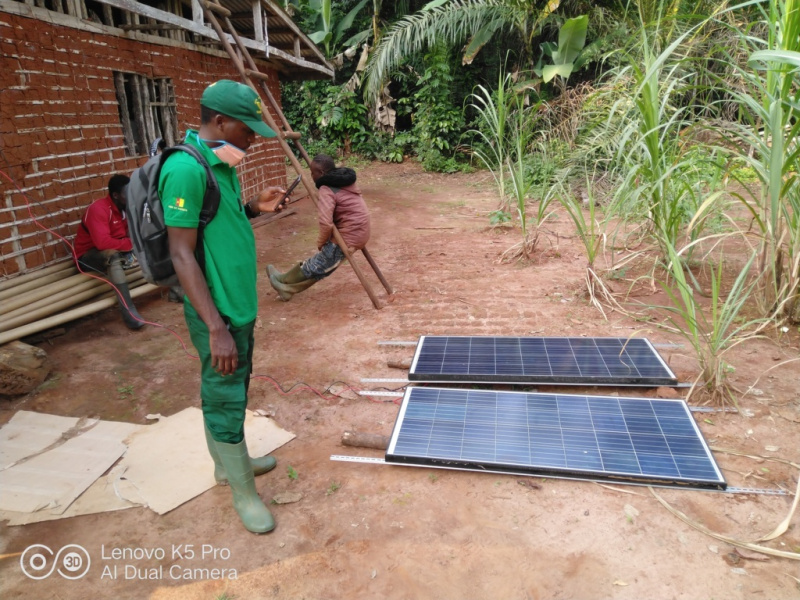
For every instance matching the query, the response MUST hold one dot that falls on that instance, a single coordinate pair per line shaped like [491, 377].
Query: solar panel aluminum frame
[448, 462]
[634, 379]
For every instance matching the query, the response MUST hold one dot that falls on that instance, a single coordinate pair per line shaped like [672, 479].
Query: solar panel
[543, 360]
[626, 440]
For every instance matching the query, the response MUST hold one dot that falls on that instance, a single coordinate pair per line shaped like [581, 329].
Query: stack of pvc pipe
[56, 295]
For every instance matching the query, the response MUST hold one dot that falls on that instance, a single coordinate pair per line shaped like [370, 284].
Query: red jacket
[103, 227]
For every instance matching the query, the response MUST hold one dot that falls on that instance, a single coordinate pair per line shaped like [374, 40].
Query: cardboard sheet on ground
[110, 492]
[168, 462]
[54, 476]
[29, 433]
[145, 473]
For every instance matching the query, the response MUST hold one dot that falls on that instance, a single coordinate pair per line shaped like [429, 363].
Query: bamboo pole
[65, 317]
[47, 308]
[50, 288]
[48, 298]
[28, 286]
[14, 281]
[23, 297]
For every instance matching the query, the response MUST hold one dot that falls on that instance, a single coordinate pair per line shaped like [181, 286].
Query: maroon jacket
[103, 227]
[347, 210]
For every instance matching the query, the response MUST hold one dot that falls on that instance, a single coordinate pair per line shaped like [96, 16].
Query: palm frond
[451, 24]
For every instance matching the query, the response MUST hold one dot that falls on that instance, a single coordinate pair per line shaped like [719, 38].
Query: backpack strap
[211, 198]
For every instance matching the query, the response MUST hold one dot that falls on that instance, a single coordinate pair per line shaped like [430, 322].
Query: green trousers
[224, 398]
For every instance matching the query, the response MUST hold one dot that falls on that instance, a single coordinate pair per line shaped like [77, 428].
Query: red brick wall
[61, 137]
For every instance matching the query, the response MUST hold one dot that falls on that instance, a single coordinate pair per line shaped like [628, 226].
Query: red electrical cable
[303, 387]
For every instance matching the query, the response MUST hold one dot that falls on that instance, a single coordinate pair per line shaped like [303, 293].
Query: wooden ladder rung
[257, 74]
[217, 8]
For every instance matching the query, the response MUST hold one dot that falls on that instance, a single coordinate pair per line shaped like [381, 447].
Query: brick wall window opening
[147, 110]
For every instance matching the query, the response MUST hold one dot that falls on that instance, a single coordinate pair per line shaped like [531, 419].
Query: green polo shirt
[228, 239]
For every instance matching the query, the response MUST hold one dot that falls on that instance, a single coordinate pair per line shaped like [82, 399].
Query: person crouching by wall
[102, 246]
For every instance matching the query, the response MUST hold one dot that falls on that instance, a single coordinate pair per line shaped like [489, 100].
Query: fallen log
[360, 439]
[399, 364]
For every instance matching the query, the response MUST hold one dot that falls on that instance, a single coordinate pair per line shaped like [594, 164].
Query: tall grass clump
[491, 144]
[765, 138]
[591, 233]
[715, 331]
[657, 178]
[504, 142]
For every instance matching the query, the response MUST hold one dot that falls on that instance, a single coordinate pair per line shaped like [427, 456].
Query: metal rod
[381, 461]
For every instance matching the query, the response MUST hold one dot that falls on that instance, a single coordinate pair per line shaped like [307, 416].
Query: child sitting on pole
[341, 205]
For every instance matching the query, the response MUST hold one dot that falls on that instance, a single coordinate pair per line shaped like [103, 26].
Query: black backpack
[145, 215]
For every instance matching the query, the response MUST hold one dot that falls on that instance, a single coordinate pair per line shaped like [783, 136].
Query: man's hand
[266, 200]
[224, 355]
[182, 243]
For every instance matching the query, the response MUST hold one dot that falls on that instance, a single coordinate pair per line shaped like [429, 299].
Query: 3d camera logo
[71, 562]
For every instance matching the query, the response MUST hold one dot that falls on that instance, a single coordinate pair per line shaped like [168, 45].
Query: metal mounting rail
[526, 383]
[380, 461]
[402, 343]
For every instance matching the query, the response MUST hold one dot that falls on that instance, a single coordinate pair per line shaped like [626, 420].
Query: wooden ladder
[250, 73]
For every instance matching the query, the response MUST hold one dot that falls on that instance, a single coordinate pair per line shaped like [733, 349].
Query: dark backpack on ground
[145, 213]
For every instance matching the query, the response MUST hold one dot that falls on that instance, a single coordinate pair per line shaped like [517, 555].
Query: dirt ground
[375, 531]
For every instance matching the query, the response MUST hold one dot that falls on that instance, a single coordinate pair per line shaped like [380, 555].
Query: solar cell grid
[596, 437]
[618, 361]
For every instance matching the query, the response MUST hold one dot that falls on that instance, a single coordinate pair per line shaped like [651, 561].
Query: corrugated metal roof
[282, 34]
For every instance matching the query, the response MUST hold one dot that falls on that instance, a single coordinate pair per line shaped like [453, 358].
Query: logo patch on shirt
[178, 204]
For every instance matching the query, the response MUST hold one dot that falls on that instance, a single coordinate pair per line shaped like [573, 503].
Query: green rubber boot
[255, 517]
[130, 316]
[260, 465]
[287, 290]
[290, 283]
[293, 275]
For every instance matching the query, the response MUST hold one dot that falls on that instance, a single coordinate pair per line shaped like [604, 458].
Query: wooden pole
[20, 279]
[375, 268]
[49, 296]
[52, 308]
[65, 317]
[34, 284]
[307, 183]
[360, 439]
[23, 298]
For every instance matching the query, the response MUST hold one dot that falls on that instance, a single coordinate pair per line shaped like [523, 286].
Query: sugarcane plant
[591, 233]
[766, 140]
[656, 177]
[491, 145]
[711, 333]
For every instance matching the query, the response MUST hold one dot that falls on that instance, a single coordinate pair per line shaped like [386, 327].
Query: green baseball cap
[237, 101]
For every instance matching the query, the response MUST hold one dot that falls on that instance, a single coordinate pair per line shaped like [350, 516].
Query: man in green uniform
[221, 299]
